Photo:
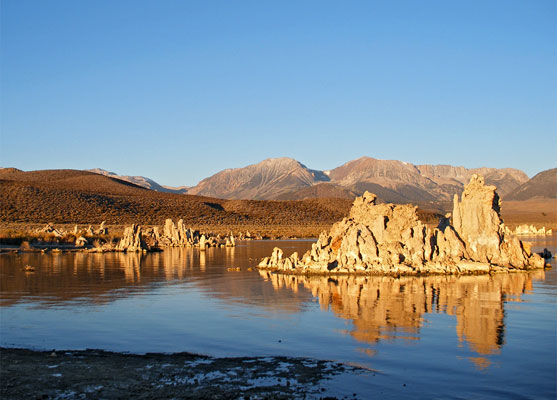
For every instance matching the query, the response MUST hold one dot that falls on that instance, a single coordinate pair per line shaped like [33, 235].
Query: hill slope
[71, 196]
[319, 191]
[541, 186]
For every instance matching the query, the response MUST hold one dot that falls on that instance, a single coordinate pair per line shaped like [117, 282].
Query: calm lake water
[442, 337]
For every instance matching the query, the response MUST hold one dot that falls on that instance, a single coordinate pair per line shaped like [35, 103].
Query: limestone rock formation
[477, 220]
[102, 229]
[137, 239]
[49, 228]
[152, 238]
[81, 241]
[173, 235]
[89, 231]
[132, 240]
[531, 230]
[230, 242]
[389, 239]
[178, 235]
[202, 243]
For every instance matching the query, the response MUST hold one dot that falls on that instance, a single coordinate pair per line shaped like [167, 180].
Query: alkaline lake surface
[431, 337]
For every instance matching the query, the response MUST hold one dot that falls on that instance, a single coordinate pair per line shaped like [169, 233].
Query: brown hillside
[80, 197]
[540, 212]
[70, 196]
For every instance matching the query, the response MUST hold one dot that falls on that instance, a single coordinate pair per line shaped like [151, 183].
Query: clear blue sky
[178, 90]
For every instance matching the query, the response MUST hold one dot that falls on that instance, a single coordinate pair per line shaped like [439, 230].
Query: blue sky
[178, 90]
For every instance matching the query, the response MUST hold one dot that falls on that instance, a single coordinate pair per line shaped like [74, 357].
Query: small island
[390, 239]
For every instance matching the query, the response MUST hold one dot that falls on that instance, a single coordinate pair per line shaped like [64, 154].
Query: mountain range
[82, 197]
[392, 180]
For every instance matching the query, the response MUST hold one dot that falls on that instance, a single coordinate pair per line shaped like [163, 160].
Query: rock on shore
[173, 235]
[132, 240]
[531, 230]
[389, 239]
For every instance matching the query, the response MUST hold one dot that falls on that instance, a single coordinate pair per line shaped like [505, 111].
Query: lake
[444, 336]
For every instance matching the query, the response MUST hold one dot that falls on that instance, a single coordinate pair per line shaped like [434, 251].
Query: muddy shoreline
[92, 374]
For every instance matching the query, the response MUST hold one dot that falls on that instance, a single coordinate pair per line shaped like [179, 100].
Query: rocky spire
[389, 238]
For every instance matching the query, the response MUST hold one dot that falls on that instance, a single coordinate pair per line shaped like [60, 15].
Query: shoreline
[90, 373]
[27, 230]
[46, 248]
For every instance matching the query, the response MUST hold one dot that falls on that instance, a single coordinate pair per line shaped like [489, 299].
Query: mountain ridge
[542, 185]
[265, 180]
[392, 180]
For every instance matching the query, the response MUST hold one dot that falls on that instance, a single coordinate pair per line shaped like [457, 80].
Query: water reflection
[91, 278]
[385, 308]
[378, 308]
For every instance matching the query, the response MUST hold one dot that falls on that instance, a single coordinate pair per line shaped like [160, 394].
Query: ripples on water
[489, 335]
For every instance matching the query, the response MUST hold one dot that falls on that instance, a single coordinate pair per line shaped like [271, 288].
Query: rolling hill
[72, 196]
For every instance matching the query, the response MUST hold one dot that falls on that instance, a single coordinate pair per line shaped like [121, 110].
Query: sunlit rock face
[531, 230]
[477, 220]
[132, 240]
[389, 238]
[179, 235]
[172, 235]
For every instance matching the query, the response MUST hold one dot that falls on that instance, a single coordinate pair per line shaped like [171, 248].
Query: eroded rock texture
[389, 239]
[173, 235]
[179, 235]
[132, 240]
[531, 230]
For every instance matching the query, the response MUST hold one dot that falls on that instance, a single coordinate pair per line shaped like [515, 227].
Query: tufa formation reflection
[388, 308]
